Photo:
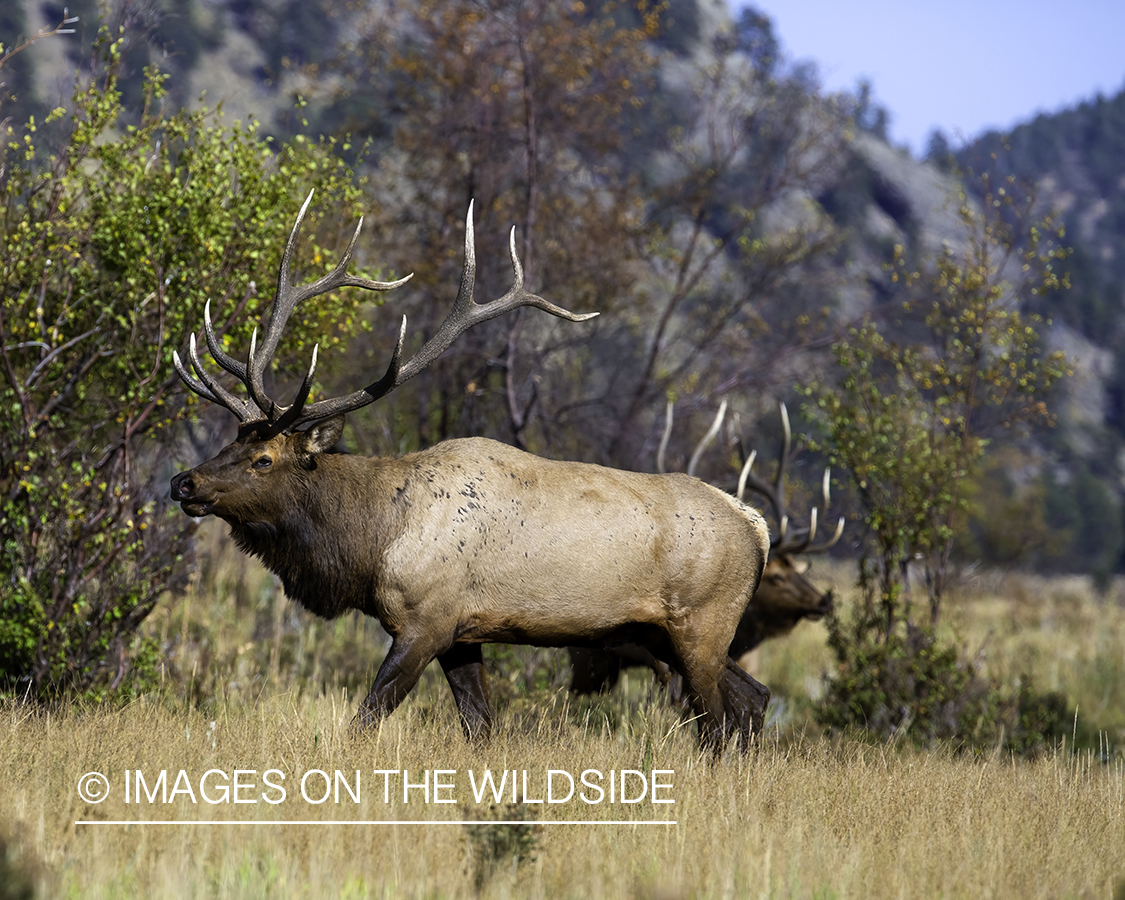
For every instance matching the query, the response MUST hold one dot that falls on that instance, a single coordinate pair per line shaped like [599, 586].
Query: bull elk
[473, 541]
[783, 598]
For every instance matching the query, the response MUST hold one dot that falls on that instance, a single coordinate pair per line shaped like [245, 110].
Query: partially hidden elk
[784, 597]
[473, 541]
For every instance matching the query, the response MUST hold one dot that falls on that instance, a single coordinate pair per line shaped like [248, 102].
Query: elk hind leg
[593, 671]
[463, 665]
[703, 674]
[745, 700]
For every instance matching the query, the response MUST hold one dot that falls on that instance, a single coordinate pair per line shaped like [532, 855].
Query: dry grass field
[253, 685]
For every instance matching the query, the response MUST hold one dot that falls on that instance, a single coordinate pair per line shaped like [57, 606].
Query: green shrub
[109, 247]
[909, 422]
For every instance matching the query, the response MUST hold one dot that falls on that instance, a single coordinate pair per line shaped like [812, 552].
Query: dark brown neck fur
[327, 545]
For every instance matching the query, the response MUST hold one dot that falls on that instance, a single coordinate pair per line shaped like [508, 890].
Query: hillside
[726, 217]
[1073, 160]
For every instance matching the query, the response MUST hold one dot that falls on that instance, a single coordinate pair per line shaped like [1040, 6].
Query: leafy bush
[900, 682]
[109, 246]
[18, 870]
[492, 846]
[907, 684]
[909, 422]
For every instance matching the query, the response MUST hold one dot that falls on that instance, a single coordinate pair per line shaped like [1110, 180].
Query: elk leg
[396, 678]
[745, 700]
[703, 679]
[463, 666]
[593, 671]
[636, 654]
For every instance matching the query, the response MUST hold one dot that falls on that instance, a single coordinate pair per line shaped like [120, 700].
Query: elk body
[784, 596]
[473, 541]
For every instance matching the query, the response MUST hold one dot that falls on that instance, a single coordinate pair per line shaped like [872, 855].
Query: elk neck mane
[328, 543]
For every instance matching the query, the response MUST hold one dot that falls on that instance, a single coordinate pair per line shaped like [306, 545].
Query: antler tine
[190, 380]
[664, 438]
[293, 411]
[265, 418]
[783, 458]
[357, 399]
[786, 541]
[747, 478]
[796, 541]
[802, 542]
[209, 389]
[745, 474]
[229, 363]
[774, 492]
[284, 301]
[466, 313]
[831, 542]
[708, 438]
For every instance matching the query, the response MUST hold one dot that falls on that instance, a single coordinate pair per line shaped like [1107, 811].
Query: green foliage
[908, 420]
[1007, 514]
[519, 672]
[109, 248]
[491, 845]
[1088, 520]
[907, 684]
[1036, 721]
[903, 682]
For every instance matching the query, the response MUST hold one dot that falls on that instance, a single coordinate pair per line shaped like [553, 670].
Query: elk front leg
[463, 666]
[396, 678]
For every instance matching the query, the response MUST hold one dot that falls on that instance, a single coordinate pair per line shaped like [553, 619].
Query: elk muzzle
[823, 607]
[184, 493]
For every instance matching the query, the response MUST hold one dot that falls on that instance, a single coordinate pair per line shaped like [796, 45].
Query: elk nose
[826, 602]
[182, 486]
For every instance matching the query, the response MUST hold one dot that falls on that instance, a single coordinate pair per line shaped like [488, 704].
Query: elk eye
[263, 462]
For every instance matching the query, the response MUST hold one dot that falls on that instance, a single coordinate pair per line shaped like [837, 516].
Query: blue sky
[962, 66]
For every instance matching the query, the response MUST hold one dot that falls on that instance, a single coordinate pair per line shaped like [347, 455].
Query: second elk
[473, 541]
[784, 597]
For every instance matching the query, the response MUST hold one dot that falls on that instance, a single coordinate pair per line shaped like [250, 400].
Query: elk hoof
[365, 721]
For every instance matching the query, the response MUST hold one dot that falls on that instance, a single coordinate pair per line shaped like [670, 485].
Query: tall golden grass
[253, 684]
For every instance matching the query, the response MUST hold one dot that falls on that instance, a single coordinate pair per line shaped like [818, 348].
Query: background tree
[676, 196]
[738, 236]
[524, 108]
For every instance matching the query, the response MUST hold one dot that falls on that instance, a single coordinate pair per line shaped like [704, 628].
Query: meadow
[252, 684]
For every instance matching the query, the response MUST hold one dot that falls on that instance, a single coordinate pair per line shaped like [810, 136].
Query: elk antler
[787, 540]
[703, 444]
[797, 540]
[264, 418]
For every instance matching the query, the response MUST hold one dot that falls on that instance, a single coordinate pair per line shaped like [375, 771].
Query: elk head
[240, 484]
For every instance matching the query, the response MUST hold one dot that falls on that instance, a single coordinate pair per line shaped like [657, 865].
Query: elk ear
[321, 437]
[800, 566]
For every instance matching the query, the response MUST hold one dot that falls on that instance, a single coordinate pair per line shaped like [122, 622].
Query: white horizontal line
[371, 822]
